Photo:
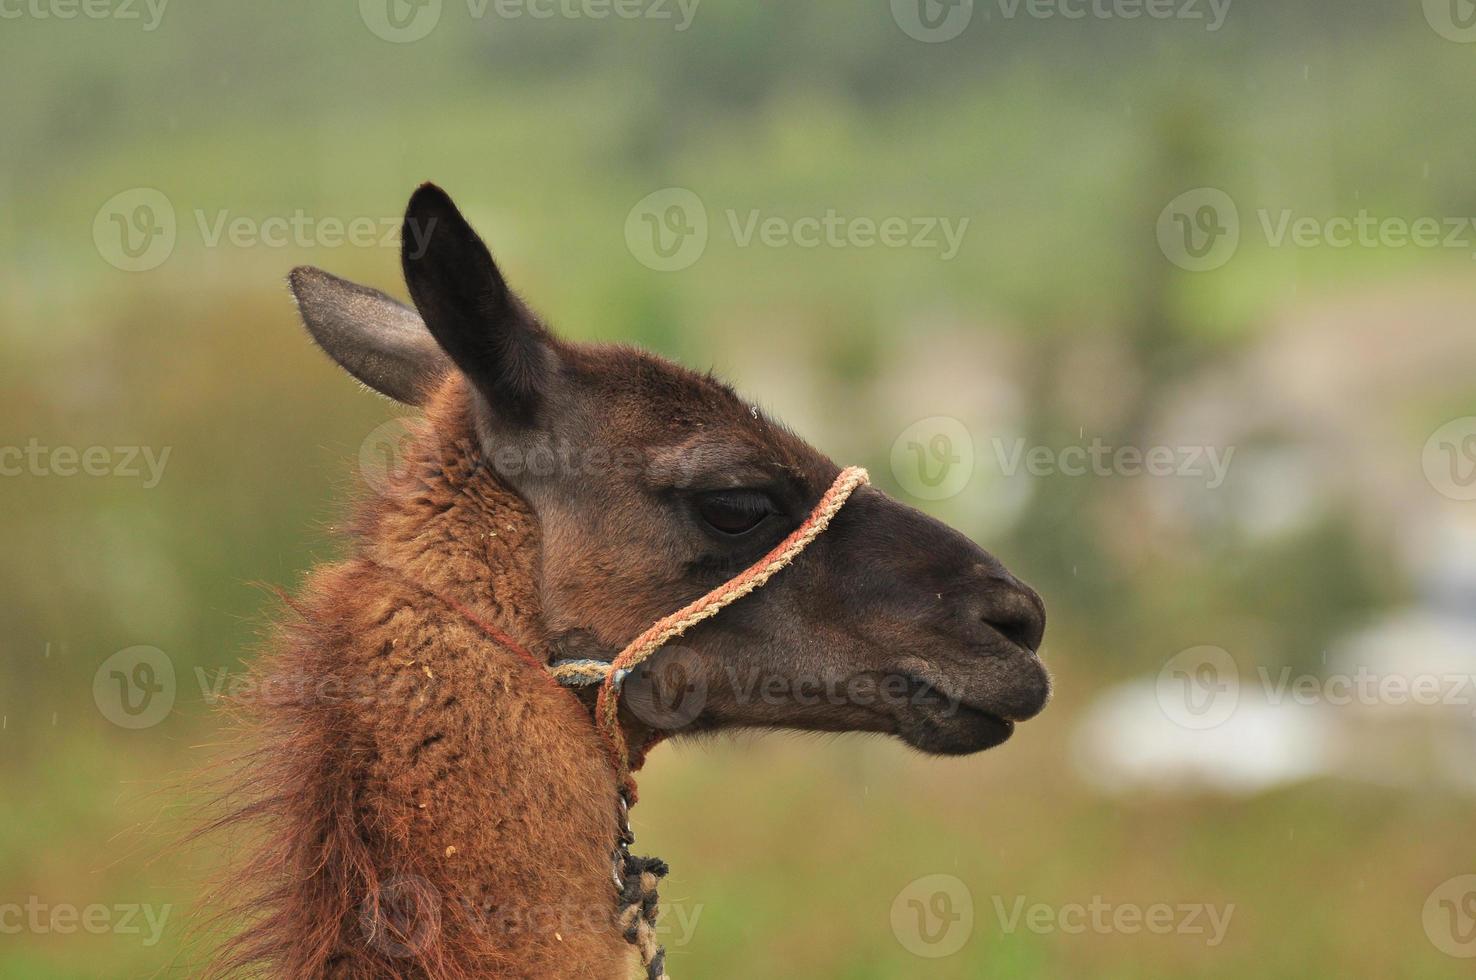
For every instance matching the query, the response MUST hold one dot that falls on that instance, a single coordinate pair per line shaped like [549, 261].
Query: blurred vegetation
[1059, 140]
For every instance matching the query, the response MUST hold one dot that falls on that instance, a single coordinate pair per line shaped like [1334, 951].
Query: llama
[440, 806]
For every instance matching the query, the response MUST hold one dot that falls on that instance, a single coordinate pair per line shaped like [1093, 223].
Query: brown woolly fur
[432, 806]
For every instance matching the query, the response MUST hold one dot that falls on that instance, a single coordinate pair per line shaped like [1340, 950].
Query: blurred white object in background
[1395, 704]
[1126, 743]
[1422, 726]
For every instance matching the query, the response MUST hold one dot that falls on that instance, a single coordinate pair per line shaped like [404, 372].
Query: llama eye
[734, 511]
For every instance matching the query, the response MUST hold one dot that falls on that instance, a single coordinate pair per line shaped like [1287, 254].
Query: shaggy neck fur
[433, 806]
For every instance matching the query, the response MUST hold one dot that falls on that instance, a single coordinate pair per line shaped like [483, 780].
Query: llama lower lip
[960, 732]
[942, 726]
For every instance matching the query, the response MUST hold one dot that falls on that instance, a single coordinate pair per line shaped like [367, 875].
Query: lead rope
[637, 878]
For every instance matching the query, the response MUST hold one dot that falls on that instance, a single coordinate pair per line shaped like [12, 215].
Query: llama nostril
[1016, 612]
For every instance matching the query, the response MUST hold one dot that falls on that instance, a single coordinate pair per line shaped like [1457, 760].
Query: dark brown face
[653, 485]
[667, 484]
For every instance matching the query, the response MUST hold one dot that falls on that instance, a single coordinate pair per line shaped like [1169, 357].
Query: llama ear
[381, 342]
[470, 310]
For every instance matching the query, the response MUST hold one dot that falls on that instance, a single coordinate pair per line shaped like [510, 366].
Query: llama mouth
[942, 725]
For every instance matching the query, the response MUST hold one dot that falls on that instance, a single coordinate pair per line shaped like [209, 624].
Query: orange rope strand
[670, 627]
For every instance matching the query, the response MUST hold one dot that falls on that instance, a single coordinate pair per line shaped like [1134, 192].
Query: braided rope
[579, 673]
[670, 627]
[640, 907]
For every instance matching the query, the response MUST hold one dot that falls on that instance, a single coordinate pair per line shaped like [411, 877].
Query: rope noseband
[636, 878]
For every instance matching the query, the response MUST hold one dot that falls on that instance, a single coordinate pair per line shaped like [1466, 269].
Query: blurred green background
[1079, 306]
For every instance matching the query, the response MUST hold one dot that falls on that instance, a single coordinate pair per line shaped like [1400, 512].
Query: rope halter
[611, 676]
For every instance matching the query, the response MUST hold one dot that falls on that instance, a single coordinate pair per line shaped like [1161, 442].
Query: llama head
[652, 484]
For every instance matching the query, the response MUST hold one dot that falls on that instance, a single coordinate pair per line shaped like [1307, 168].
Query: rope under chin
[637, 878]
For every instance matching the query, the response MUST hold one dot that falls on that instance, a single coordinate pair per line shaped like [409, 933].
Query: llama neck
[457, 817]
